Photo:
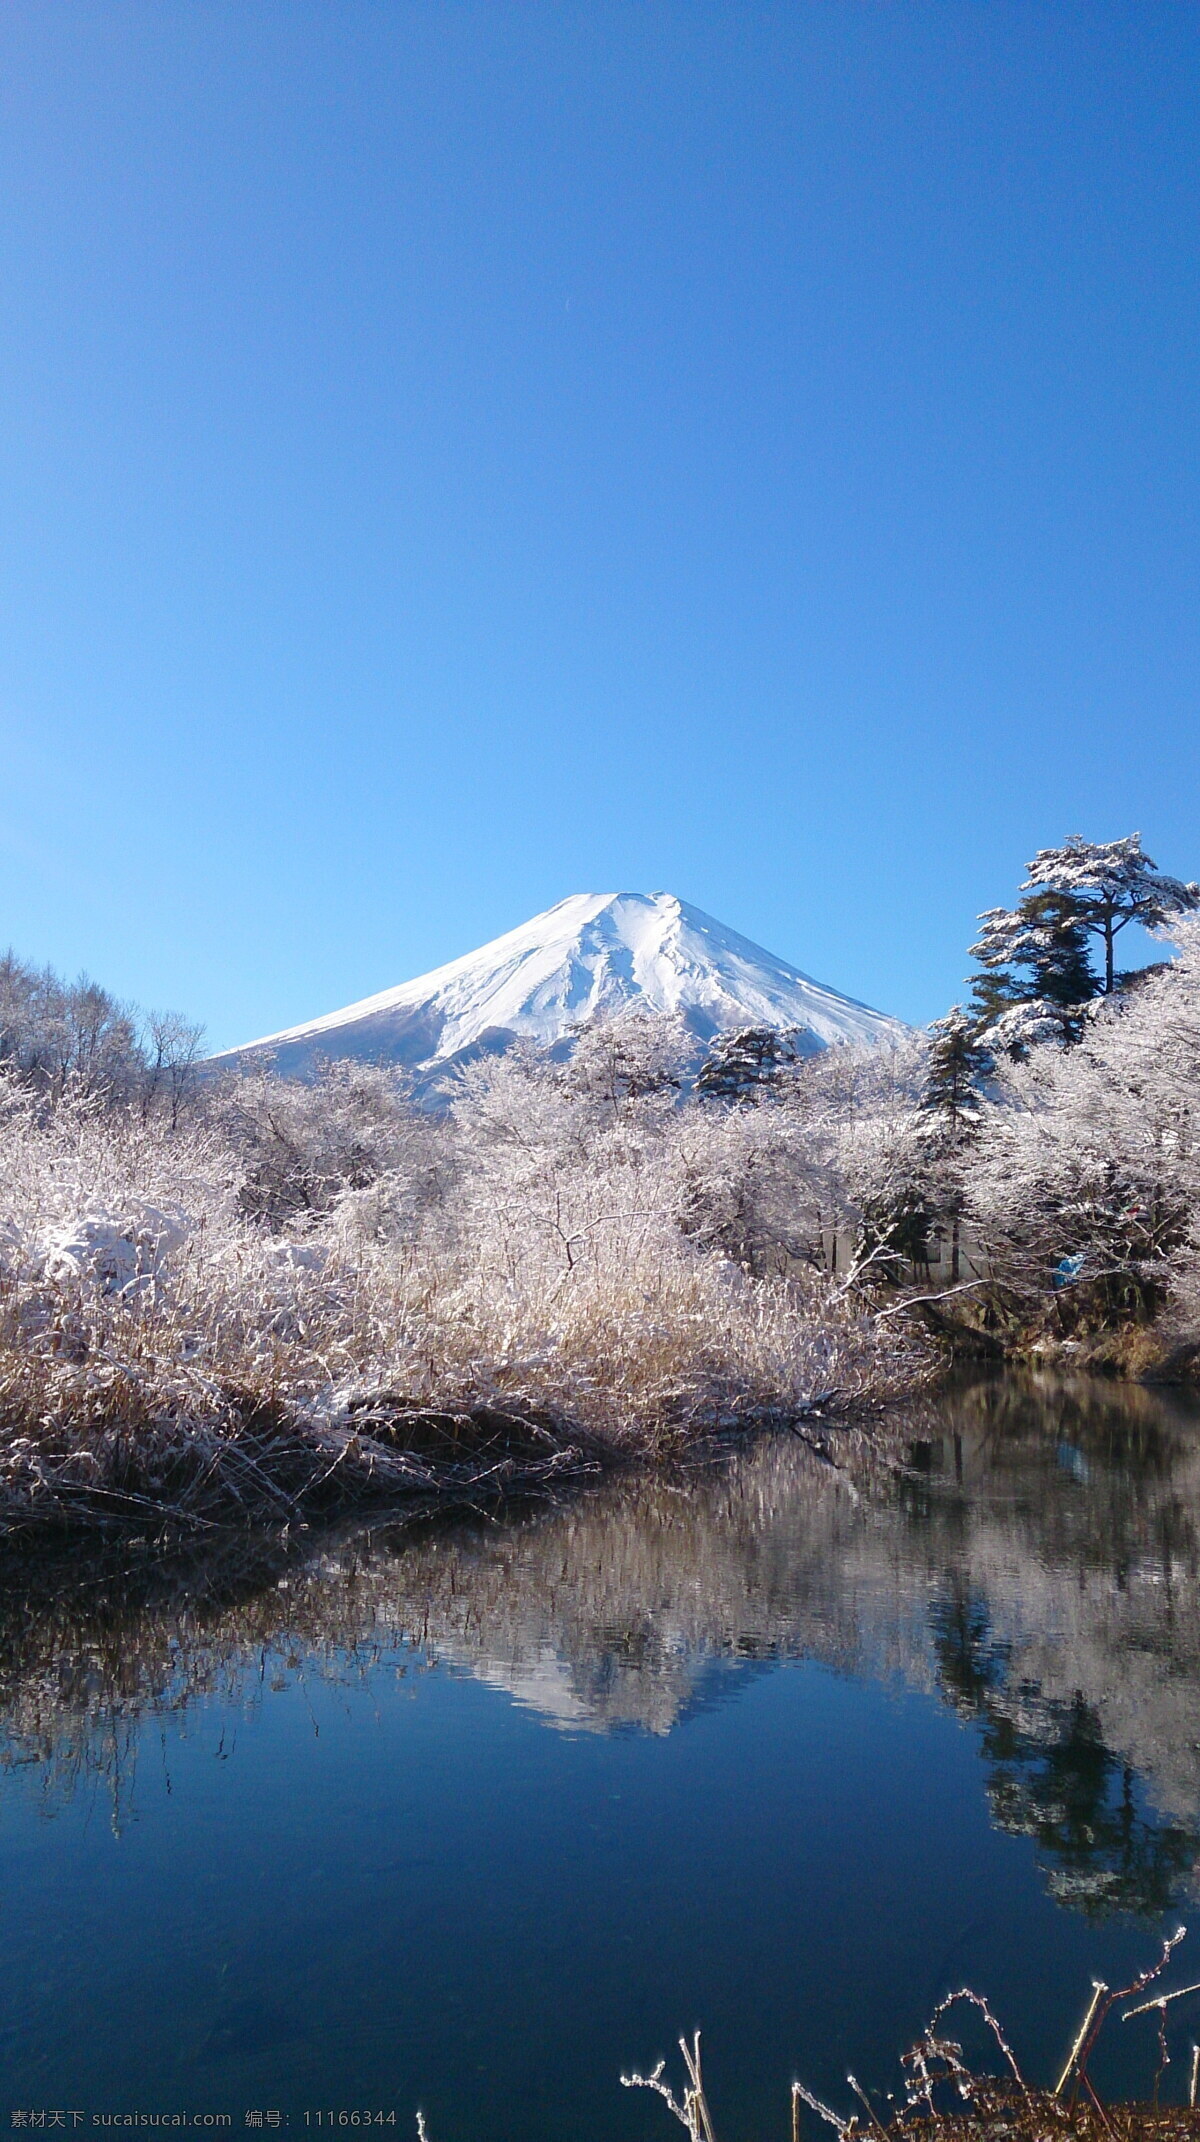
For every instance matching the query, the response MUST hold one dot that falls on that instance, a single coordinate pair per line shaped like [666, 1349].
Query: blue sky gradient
[452, 456]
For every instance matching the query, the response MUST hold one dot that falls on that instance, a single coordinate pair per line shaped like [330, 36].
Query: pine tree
[956, 1068]
[1108, 884]
[1044, 935]
[994, 991]
[1058, 950]
[745, 1065]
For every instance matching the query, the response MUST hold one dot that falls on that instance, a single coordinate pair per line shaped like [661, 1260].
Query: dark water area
[473, 1817]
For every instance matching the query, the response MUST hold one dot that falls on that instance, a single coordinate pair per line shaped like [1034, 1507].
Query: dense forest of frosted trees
[626, 1246]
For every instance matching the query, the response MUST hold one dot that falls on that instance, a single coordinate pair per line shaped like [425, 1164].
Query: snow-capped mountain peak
[590, 955]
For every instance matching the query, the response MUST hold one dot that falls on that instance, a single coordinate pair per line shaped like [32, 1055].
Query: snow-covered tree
[1090, 1170]
[742, 1066]
[554, 1181]
[1109, 884]
[171, 1050]
[956, 1069]
[1035, 976]
[630, 1054]
[62, 1038]
[305, 1145]
[759, 1183]
[1044, 937]
[56, 1034]
[861, 1156]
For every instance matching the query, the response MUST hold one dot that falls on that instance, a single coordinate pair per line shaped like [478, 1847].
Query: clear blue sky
[456, 455]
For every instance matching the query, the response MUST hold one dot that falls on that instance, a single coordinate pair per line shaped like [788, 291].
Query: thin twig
[915, 1301]
[1099, 1989]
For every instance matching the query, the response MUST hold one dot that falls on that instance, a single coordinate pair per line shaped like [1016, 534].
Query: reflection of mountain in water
[1035, 1562]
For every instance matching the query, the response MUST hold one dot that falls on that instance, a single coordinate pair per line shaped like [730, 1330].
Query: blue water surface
[483, 1842]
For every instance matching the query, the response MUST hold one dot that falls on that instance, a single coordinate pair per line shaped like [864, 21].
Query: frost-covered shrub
[78, 1180]
[305, 1145]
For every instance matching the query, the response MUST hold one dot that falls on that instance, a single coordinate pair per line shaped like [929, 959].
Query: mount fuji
[591, 955]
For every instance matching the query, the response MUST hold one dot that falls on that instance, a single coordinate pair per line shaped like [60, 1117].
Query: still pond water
[474, 1818]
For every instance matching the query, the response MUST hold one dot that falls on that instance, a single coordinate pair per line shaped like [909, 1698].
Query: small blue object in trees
[1067, 1271]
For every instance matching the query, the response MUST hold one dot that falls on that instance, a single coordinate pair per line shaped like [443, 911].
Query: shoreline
[266, 1470]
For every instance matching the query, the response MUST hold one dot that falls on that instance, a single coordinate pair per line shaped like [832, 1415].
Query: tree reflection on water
[1025, 1550]
[1051, 1776]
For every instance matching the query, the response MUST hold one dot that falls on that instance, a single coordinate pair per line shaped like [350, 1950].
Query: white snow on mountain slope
[590, 955]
